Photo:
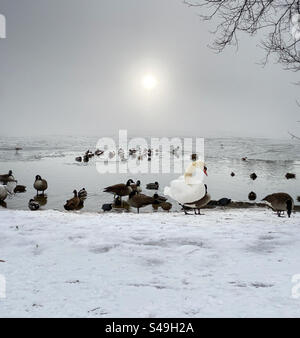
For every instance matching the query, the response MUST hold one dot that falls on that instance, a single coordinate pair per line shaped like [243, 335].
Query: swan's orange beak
[205, 171]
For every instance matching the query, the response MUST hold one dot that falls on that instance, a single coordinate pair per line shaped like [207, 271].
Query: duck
[82, 194]
[290, 176]
[253, 176]
[20, 189]
[232, 174]
[107, 207]
[189, 187]
[99, 152]
[120, 189]
[86, 158]
[152, 186]
[223, 202]
[136, 186]
[167, 206]
[280, 202]
[197, 205]
[78, 159]
[73, 203]
[252, 196]
[138, 201]
[33, 205]
[40, 184]
[7, 177]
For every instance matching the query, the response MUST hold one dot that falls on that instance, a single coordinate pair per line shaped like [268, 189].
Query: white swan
[7, 189]
[189, 187]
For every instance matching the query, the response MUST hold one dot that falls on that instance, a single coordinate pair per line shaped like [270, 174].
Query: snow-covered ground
[224, 263]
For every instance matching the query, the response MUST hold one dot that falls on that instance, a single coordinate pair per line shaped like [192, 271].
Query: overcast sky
[76, 66]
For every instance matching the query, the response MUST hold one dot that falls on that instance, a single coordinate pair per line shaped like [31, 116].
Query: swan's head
[194, 172]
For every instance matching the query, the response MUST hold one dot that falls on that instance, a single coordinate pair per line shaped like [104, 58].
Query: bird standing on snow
[189, 188]
[280, 202]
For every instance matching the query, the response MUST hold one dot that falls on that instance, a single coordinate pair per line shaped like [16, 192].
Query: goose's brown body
[140, 200]
[120, 189]
[73, 203]
[40, 184]
[280, 202]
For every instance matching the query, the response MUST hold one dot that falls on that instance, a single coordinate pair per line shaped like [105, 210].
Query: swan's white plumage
[188, 188]
[7, 189]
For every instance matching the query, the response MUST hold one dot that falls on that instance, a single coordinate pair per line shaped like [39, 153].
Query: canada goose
[152, 186]
[7, 177]
[73, 203]
[137, 186]
[298, 198]
[232, 174]
[120, 189]
[166, 206]
[280, 202]
[19, 189]
[290, 175]
[107, 207]
[33, 205]
[40, 184]
[197, 205]
[252, 196]
[86, 158]
[139, 200]
[253, 176]
[223, 202]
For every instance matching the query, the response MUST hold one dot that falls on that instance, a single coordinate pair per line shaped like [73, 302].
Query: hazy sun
[149, 82]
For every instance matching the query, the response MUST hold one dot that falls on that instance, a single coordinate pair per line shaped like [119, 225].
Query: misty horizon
[72, 68]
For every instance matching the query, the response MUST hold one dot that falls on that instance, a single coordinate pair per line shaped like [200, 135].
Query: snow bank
[224, 263]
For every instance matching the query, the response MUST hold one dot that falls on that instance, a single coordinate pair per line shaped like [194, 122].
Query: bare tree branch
[273, 17]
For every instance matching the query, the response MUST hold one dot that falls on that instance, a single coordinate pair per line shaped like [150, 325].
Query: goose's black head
[138, 183]
[130, 181]
[38, 177]
[10, 173]
[134, 192]
[75, 193]
[156, 183]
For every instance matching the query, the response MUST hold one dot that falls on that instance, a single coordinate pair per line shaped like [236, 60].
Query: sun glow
[149, 82]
